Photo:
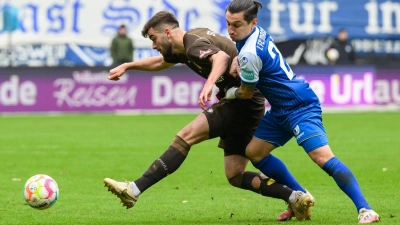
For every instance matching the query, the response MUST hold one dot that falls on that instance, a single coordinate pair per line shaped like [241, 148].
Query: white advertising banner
[94, 22]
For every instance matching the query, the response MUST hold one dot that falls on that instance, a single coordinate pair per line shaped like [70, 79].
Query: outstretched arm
[155, 63]
[220, 61]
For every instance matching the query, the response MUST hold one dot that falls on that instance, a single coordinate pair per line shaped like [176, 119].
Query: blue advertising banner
[293, 19]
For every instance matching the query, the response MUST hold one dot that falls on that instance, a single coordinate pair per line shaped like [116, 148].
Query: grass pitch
[79, 151]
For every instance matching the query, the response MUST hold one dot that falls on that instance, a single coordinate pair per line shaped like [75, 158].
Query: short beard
[168, 49]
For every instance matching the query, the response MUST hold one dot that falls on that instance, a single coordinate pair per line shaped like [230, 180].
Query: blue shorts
[306, 127]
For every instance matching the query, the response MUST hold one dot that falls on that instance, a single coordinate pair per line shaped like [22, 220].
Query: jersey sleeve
[250, 66]
[201, 49]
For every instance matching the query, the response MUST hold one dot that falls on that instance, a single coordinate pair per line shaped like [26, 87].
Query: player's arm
[155, 63]
[250, 65]
[201, 49]
[245, 91]
[220, 62]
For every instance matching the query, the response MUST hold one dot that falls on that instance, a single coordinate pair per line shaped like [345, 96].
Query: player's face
[160, 42]
[342, 35]
[238, 28]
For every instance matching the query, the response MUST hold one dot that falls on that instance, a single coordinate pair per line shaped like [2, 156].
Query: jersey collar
[240, 44]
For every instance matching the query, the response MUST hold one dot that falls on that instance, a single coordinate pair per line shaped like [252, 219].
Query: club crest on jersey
[202, 53]
[296, 130]
[242, 61]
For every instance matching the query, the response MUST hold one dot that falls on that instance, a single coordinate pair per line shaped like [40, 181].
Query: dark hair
[249, 7]
[158, 22]
[122, 26]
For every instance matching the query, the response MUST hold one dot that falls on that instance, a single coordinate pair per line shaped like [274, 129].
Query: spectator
[341, 51]
[121, 47]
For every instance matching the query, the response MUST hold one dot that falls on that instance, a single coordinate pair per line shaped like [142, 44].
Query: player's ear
[254, 22]
[167, 32]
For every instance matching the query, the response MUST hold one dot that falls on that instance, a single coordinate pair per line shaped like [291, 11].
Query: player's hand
[234, 70]
[117, 72]
[205, 95]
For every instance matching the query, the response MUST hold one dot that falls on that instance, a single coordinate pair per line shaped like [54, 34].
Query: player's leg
[236, 175]
[343, 177]
[315, 143]
[275, 168]
[258, 151]
[261, 184]
[166, 164]
[260, 147]
[193, 133]
[235, 166]
[235, 122]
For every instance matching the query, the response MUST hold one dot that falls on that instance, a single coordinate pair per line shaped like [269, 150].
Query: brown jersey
[200, 44]
[233, 120]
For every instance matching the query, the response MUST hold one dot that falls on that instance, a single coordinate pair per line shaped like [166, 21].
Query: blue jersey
[262, 64]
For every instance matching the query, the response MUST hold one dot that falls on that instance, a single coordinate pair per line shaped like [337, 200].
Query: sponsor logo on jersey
[247, 74]
[202, 53]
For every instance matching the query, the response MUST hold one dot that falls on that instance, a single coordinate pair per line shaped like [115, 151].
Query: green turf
[79, 151]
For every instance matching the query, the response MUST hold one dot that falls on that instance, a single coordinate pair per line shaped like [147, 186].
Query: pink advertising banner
[88, 89]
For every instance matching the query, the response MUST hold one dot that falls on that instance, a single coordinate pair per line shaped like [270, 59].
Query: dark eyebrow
[237, 21]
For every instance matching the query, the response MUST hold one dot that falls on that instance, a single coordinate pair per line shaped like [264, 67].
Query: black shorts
[235, 121]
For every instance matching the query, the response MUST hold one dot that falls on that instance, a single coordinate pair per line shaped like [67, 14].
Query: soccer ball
[41, 191]
[332, 54]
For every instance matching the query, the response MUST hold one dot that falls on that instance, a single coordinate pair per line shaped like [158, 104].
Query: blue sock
[346, 181]
[277, 170]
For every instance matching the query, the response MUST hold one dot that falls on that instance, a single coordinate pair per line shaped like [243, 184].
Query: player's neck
[180, 33]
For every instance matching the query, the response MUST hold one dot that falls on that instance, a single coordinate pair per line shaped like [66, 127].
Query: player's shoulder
[198, 30]
[257, 43]
[193, 35]
[198, 33]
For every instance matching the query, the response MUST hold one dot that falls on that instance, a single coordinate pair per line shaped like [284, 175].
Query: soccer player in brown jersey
[210, 55]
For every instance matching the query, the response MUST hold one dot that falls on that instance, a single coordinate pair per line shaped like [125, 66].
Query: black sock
[166, 164]
[269, 188]
[247, 179]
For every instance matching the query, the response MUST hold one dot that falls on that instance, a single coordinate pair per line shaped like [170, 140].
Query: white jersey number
[284, 66]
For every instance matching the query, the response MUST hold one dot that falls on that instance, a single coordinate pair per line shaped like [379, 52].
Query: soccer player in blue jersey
[295, 108]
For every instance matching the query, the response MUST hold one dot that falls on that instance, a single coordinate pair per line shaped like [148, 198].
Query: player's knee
[253, 154]
[319, 160]
[256, 151]
[321, 155]
[236, 181]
